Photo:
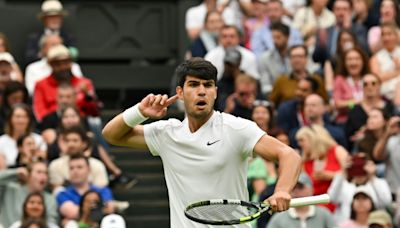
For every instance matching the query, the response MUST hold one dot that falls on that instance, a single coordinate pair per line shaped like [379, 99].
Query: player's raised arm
[289, 169]
[125, 129]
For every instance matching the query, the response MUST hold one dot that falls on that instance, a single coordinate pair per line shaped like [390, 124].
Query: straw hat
[52, 8]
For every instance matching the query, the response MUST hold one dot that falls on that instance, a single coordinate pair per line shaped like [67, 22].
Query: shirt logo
[210, 143]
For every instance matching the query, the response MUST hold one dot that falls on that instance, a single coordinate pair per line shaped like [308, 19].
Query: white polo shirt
[207, 164]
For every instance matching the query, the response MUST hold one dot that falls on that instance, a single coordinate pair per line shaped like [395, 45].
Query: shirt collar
[293, 213]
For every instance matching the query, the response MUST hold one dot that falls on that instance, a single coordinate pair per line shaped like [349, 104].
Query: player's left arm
[289, 169]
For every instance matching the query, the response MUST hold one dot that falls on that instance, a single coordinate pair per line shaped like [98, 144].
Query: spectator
[275, 62]
[345, 40]
[70, 118]
[379, 219]
[284, 87]
[28, 151]
[322, 156]
[34, 223]
[40, 69]
[291, 112]
[240, 102]
[371, 99]
[386, 62]
[257, 20]
[327, 37]
[18, 123]
[76, 143]
[32, 179]
[44, 99]
[195, 17]
[360, 172]
[305, 217]
[311, 18]
[230, 37]
[226, 85]
[52, 16]
[5, 48]
[208, 37]
[14, 93]
[113, 220]
[348, 86]
[262, 39]
[387, 150]
[389, 13]
[364, 12]
[361, 207]
[33, 208]
[7, 71]
[263, 114]
[70, 198]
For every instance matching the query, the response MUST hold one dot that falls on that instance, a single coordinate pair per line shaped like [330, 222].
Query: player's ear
[179, 91]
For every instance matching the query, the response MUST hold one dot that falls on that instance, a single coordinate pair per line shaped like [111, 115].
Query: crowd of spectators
[324, 77]
[55, 167]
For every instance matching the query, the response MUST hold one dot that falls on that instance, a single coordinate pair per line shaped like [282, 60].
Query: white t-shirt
[248, 64]
[210, 163]
[40, 69]
[8, 147]
[18, 225]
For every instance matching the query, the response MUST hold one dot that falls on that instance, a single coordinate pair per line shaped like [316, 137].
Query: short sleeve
[152, 133]
[106, 194]
[62, 197]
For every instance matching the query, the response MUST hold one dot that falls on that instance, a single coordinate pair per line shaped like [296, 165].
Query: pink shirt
[346, 89]
[351, 224]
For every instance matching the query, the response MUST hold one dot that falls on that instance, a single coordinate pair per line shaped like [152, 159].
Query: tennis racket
[229, 212]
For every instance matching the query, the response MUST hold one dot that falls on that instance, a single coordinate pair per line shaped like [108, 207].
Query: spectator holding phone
[360, 171]
[387, 149]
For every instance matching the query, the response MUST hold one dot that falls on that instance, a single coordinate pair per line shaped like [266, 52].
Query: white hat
[113, 221]
[7, 57]
[366, 191]
[51, 8]
[58, 52]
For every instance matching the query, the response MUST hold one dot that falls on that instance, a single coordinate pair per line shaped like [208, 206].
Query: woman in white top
[386, 62]
[33, 209]
[18, 123]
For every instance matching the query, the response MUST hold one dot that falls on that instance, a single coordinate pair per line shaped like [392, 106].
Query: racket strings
[222, 212]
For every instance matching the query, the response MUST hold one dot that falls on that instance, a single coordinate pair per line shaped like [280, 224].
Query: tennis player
[206, 155]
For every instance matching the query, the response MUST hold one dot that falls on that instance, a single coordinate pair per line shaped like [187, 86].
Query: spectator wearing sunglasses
[372, 99]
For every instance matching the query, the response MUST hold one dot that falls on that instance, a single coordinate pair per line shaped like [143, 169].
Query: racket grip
[310, 200]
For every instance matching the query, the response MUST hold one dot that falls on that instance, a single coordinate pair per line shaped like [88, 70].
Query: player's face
[199, 96]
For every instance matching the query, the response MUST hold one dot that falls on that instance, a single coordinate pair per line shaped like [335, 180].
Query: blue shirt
[70, 194]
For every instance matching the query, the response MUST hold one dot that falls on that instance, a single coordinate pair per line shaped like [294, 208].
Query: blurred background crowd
[322, 76]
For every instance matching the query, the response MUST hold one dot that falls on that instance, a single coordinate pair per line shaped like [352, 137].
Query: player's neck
[195, 123]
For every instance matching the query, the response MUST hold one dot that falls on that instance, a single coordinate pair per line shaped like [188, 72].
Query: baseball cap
[304, 179]
[52, 8]
[7, 57]
[113, 221]
[379, 217]
[232, 56]
[58, 52]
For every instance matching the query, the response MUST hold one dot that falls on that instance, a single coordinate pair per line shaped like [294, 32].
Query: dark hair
[31, 221]
[313, 82]
[274, 132]
[25, 215]
[79, 156]
[339, 48]
[196, 67]
[12, 87]
[30, 166]
[280, 27]
[21, 139]
[76, 129]
[341, 67]
[9, 129]
[304, 47]
[397, 12]
[83, 200]
[353, 212]
[238, 33]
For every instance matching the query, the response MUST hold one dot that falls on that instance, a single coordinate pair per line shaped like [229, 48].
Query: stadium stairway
[148, 198]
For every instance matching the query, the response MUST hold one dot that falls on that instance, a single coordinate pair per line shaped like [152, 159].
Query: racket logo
[210, 143]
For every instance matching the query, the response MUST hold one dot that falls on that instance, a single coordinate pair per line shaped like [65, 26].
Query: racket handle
[310, 200]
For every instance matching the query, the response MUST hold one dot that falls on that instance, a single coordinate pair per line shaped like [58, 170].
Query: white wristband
[132, 116]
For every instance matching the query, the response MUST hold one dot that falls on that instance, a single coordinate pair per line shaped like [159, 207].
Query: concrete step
[141, 166]
[143, 193]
